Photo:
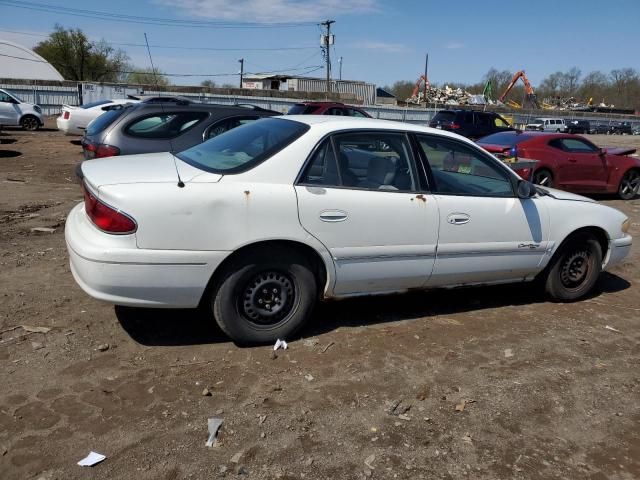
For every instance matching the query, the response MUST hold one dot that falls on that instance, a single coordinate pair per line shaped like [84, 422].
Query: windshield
[508, 139]
[103, 121]
[302, 109]
[244, 147]
[95, 104]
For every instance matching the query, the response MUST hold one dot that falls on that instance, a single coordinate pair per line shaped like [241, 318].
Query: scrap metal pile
[446, 96]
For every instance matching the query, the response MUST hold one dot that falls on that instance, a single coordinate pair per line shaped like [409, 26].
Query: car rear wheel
[574, 270]
[264, 296]
[629, 185]
[543, 177]
[29, 122]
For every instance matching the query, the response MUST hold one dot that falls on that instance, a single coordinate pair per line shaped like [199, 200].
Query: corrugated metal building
[364, 92]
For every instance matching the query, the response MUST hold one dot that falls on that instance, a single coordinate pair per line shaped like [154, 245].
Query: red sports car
[569, 162]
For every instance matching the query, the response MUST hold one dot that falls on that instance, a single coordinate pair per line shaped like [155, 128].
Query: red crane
[416, 89]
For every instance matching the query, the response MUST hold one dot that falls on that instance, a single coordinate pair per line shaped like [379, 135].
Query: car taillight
[66, 115]
[106, 218]
[454, 126]
[100, 150]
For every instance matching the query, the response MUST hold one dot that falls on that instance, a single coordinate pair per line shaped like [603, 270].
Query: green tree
[208, 84]
[147, 76]
[78, 58]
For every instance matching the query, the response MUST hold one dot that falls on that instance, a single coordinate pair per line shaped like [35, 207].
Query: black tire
[30, 122]
[574, 269]
[629, 184]
[543, 177]
[263, 296]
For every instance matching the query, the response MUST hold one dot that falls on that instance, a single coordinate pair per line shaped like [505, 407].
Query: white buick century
[262, 221]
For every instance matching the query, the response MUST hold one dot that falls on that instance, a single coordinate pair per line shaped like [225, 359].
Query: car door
[9, 113]
[486, 233]
[584, 168]
[379, 226]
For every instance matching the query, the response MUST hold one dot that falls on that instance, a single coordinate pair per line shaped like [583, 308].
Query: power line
[167, 22]
[180, 47]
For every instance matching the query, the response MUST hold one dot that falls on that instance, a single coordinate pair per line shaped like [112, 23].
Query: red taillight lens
[106, 218]
[454, 126]
[106, 151]
[66, 115]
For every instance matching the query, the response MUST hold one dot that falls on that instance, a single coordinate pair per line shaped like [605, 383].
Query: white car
[14, 111]
[547, 125]
[74, 120]
[264, 220]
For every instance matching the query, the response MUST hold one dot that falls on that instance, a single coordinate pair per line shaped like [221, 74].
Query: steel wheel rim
[630, 184]
[30, 123]
[267, 298]
[575, 269]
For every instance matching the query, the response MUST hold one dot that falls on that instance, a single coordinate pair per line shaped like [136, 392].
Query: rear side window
[164, 125]
[365, 160]
[508, 139]
[226, 125]
[355, 113]
[101, 123]
[302, 109]
[483, 119]
[244, 147]
[444, 117]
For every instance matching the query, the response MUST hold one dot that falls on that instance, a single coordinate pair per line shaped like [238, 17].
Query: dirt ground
[486, 383]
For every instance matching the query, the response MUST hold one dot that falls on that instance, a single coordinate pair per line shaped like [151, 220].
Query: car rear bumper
[111, 268]
[67, 127]
[619, 249]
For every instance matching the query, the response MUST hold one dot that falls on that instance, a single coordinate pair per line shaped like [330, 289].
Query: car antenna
[155, 79]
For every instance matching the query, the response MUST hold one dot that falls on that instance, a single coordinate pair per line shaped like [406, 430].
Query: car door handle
[333, 216]
[458, 218]
[572, 160]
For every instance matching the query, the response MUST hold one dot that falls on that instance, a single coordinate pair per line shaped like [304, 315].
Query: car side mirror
[602, 152]
[526, 189]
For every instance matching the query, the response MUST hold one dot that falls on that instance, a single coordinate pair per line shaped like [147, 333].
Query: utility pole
[340, 62]
[426, 81]
[241, 70]
[327, 41]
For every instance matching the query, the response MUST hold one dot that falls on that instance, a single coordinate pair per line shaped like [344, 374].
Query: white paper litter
[214, 425]
[280, 344]
[92, 459]
[609, 327]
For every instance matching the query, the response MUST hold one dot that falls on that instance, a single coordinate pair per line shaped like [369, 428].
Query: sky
[379, 41]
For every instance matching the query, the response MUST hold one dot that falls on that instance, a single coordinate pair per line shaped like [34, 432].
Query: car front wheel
[574, 270]
[629, 185]
[29, 122]
[265, 295]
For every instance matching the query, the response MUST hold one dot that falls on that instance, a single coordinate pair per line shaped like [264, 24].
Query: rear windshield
[244, 147]
[103, 121]
[444, 117]
[95, 104]
[508, 139]
[302, 109]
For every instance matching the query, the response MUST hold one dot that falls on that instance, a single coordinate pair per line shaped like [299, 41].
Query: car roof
[322, 103]
[335, 123]
[202, 106]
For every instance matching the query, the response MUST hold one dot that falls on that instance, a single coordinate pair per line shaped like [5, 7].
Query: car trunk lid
[145, 168]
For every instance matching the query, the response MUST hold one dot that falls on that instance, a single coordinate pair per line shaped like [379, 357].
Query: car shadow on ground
[75, 142]
[9, 153]
[162, 327]
[8, 141]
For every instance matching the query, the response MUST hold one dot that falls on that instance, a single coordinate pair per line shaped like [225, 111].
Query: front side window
[366, 160]
[336, 111]
[226, 125]
[164, 125]
[244, 147]
[461, 170]
[500, 122]
[355, 113]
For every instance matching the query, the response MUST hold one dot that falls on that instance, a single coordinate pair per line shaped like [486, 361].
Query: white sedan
[74, 120]
[262, 221]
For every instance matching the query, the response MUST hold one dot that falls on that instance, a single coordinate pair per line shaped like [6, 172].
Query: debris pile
[447, 96]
